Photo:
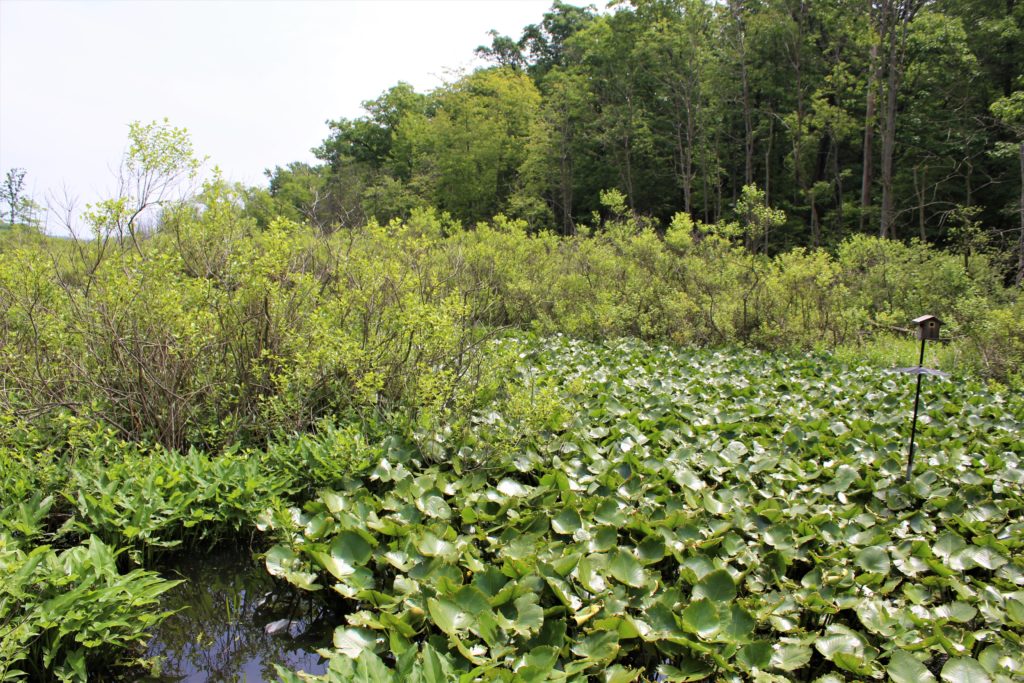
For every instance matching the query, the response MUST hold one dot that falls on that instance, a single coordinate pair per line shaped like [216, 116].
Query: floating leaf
[351, 642]
[626, 569]
[905, 668]
[600, 646]
[874, 559]
[684, 671]
[717, 586]
[448, 616]
[566, 522]
[964, 670]
[702, 617]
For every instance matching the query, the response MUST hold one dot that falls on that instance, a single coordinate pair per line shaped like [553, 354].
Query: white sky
[254, 82]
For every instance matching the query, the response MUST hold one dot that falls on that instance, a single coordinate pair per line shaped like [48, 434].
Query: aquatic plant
[686, 516]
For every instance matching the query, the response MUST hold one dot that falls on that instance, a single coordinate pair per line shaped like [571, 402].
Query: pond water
[236, 622]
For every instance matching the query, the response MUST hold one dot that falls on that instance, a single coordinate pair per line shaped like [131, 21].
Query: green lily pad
[717, 586]
[905, 668]
[702, 618]
[626, 569]
[567, 522]
[874, 559]
[964, 670]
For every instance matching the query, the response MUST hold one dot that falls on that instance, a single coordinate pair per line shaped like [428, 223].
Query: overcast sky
[253, 81]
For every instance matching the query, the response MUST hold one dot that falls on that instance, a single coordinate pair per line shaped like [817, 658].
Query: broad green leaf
[740, 625]
[874, 560]
[471, 599]
[790, 655]
[434, 505]
[351, 642]
[351, 547]
[338, 567]
[566, 522]
[687, 670]
[512, 488]
[757, 655]
[651, 550]
[626, 569]
[600, 646]
[529, 615]
[957, 611]
[619, 674]
[448, 616]
[370, 669]
[717, 586]
[283, 562]
[987, 557]
[702, 617]
[430, 545]
[964, 670]
[905, 668]
[832, 643]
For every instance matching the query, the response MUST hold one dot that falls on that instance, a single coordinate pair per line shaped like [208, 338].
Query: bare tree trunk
[838, 178]
[885, 227]
[748, 124]
[867, 175]
[896, 18]
[691, 137]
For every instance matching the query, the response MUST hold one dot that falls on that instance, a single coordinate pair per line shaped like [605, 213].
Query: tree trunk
[748, 126]
[885, 227]
[867, 176]
[748, 123]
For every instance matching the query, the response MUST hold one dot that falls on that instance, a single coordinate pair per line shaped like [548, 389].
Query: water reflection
[236, 622]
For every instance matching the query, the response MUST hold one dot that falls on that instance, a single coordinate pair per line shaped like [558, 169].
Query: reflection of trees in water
[220, 635]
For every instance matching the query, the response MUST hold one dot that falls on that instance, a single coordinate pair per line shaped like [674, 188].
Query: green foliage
[696, 514]
[65, 613]
[20, 209]
[758, 218]
[234, 332]
[682, 105]
[159, 500]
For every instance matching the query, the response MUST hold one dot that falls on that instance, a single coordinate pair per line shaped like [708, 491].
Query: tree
[675, 46]
[547, 45]
[19, 207]
[757, 217]
[892, 19]
[465, 154]
[160, 157]
[503, 51]
[1010, 112]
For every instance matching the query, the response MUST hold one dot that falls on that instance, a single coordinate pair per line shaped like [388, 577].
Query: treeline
[896, 118]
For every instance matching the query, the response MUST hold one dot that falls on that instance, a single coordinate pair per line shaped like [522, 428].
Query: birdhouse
[928, 327]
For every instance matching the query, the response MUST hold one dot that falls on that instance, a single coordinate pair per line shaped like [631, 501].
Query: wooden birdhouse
[927, 327]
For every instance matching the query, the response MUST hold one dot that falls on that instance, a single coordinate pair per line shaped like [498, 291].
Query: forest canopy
[897, 118]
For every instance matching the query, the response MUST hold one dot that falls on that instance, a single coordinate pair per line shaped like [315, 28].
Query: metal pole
[917, 399]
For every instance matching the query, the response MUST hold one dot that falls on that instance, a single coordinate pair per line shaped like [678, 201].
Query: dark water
[236, 622]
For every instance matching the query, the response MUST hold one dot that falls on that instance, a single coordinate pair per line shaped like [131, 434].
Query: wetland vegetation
[488, 395]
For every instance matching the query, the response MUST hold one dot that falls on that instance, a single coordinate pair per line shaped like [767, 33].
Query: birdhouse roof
[925, 318]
